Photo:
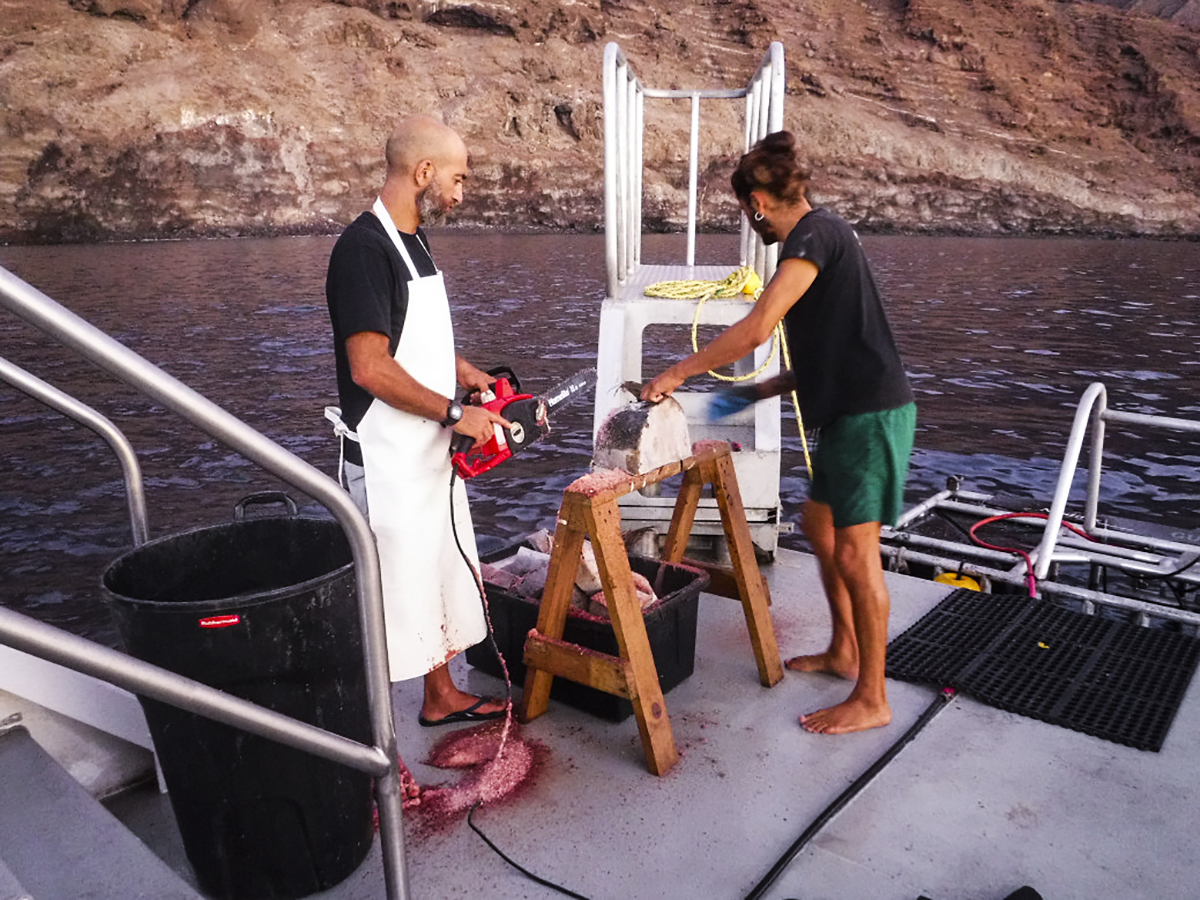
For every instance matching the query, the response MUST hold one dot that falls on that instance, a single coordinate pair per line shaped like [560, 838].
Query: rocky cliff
[128, 119]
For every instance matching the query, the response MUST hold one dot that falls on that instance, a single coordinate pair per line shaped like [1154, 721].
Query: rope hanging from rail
[787, 362]
[743, 280]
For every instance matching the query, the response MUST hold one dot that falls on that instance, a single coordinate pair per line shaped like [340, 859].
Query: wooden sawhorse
[589, 509]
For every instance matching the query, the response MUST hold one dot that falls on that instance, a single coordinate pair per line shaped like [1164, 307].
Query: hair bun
[773, 165]
[779, 142]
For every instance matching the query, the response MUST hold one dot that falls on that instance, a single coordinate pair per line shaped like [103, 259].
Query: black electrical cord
[939, 703]
[515, 865]
[487, 617]
[946, 517]
[1166, 575]
[508, 700]
[950, 520]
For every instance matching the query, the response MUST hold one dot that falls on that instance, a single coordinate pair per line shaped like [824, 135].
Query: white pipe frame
[624, 138]
[1093, 407]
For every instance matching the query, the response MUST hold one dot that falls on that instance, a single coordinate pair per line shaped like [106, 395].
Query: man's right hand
[479, 423]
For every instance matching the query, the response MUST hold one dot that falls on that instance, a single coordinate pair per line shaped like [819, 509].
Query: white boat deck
[980, 803]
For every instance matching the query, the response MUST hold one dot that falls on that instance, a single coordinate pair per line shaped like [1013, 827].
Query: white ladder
[626, 311]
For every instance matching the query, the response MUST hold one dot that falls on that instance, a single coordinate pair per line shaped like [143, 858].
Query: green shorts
[860, 465]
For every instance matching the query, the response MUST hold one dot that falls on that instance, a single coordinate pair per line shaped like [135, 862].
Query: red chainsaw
[528, 415]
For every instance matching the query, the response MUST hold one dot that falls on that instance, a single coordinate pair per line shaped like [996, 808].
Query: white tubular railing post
[640, 131]
[743, 222]
[622, 98]
[693, 177]
[1095, 464]
[612, 54]
[764, 256]
[1045, 550]
[778, 89]
[751, 241]
[633, 202]
[764, 110]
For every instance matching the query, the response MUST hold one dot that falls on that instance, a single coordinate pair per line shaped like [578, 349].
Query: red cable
[1030, 579]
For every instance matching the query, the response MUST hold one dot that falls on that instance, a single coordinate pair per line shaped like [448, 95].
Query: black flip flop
[470, 714]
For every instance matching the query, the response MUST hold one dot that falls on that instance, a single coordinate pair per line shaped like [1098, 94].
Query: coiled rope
[743, 280]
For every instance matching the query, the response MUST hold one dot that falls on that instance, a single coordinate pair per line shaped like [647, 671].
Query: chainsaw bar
[566, 391]
[529, 419]
[555, 398]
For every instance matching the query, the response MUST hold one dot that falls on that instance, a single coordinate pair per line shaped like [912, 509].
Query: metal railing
[82, 655]
[51, 396]
[1093, 409]
[624, 131]
[1140, 552]
[904, 548]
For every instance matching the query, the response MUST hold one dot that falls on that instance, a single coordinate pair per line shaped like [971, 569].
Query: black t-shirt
[366, 289]
[842, 349]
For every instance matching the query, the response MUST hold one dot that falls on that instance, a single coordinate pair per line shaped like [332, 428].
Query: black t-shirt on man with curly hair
[843, 353]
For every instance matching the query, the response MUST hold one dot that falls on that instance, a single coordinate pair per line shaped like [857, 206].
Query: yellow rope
[743, 280]
[787, 361]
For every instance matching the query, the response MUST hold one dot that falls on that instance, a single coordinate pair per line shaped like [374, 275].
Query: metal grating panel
[1104, 677]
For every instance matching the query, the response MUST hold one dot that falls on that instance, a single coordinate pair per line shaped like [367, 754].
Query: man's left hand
[472, 378]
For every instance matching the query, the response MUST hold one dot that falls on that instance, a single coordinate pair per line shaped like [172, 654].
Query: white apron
[431, 602]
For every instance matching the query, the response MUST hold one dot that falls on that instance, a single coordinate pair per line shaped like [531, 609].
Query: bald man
[397, 373]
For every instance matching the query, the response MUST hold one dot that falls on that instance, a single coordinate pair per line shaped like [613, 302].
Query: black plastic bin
[264, 608]
[670, 626]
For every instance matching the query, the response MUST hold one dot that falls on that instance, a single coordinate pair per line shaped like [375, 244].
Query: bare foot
[825, 662]
[851, 715]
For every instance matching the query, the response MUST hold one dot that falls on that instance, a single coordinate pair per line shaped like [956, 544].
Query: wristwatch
[454, 413]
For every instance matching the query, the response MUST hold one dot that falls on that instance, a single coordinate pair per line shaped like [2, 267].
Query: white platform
[623, 319]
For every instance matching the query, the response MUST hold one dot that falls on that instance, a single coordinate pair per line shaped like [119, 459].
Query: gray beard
[430, 207]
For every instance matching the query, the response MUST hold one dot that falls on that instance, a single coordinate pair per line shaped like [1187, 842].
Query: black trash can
[264, 608]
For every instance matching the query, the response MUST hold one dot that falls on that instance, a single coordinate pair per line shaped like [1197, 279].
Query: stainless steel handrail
[135, 492]
[16, 630]
[624, 127]
[1092, 409]
[57, 646]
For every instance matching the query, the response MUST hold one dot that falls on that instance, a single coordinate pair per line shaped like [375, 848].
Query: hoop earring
[758, 217]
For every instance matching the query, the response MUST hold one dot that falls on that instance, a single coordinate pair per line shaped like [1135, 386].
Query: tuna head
[641, 436]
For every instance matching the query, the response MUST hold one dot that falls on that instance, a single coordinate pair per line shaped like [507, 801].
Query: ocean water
[1000, 338]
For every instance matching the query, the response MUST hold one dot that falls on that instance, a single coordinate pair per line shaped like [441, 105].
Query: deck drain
[1104, 677]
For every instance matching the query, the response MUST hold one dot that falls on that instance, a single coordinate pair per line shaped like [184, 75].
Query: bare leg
[442, 697]
[856, 554]
[841, 657]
